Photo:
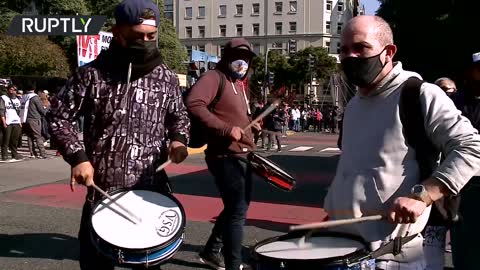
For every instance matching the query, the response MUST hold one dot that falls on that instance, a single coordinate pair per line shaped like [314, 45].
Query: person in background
[31, 116]
[46, 105]
[465, 234]
[10, 124]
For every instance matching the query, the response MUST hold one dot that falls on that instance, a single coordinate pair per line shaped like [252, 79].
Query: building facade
[206, 25]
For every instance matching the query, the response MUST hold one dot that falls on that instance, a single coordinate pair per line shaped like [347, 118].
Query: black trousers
[9, 139]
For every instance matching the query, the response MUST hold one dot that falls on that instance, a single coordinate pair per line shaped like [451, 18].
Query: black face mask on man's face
[361, 71]
[139, 50]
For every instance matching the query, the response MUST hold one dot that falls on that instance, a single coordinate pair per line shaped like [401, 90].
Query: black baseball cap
[130, 11]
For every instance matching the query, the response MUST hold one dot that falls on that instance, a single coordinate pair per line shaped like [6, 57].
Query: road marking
[330, 149]
[300, 149]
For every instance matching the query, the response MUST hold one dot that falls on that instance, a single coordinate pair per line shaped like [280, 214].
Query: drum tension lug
[120, 257]
[358, 259]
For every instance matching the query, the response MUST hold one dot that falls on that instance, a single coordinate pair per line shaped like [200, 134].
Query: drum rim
[290, 179]
[283, 172]
[177, 236]
[338, 260]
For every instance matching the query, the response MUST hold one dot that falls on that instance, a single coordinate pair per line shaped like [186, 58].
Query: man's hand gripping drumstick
[83, 174]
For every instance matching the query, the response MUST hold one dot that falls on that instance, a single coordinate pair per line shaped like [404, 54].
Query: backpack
[198, 136]
[444, 212]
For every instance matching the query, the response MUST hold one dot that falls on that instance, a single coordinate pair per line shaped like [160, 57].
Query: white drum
[151, 241]
[322, 251]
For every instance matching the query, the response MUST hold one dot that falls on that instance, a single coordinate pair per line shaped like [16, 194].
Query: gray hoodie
[377, 166]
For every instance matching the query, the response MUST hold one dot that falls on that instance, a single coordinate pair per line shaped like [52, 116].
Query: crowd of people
[23, 114]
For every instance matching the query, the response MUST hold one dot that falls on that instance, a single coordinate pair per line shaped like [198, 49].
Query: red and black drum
[271, 172]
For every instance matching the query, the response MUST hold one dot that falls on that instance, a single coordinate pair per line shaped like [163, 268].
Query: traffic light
[271, 77]
[311, 61]
[292, 46]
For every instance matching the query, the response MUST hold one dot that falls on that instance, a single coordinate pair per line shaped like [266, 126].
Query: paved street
[39, 216]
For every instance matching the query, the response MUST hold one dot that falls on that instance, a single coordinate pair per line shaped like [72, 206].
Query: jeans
[234, 182]
[9, 139]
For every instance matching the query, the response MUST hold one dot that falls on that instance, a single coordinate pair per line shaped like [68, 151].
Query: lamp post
[266, 69]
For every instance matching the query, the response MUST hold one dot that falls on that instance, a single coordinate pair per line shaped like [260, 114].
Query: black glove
[178, 154]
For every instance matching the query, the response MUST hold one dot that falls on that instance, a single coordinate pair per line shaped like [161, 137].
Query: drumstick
[116, 203]
[162, 166]
[263, 114]
[333, 223]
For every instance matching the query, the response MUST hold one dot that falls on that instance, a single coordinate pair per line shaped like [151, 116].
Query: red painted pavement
[197, 208]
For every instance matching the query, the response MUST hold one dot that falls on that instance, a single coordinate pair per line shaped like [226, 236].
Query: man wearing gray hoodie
[378, 172]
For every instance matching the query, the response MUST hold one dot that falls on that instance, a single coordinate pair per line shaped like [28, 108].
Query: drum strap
[393, 247]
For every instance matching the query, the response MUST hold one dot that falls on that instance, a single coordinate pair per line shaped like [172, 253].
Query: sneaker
[214, 260]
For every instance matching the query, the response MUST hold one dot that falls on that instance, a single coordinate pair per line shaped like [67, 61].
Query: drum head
[322, 248]
[163, 219]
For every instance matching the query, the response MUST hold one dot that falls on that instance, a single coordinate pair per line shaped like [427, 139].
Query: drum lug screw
[120, 257]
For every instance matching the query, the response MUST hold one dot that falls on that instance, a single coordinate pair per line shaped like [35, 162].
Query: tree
[32, 55]
[429, 38]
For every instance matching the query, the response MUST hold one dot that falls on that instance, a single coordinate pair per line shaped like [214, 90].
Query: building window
[327, 46]
[223, 11]
[188, 12]
[256, 48]
[278, 28]
[201, 12]
[329, 5]
[339, 27]
[256, 9]
[201, 31]
[277, 45]
[278, 7]
[293, 6]
[293, 27]
[188, 32]
[169, 10]
[328, 26]
[222, 48]
[201, 48]
[338, 47]
[340, 6]
[239, 28]
[189, 50]
[223, 30]
[239, 9]
[256, 29]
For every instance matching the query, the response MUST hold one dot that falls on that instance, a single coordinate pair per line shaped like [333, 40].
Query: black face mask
[362, 71]
[140, 50]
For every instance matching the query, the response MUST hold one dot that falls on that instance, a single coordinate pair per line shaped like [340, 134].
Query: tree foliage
[433, 36]
[32, 55]
[293, 71]
[174, 54]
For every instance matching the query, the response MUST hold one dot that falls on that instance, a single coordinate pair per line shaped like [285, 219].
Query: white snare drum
[322, 251]
[152, 241]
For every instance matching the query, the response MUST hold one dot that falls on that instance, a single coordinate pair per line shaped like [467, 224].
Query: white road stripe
[300, 149]
[330, 149]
